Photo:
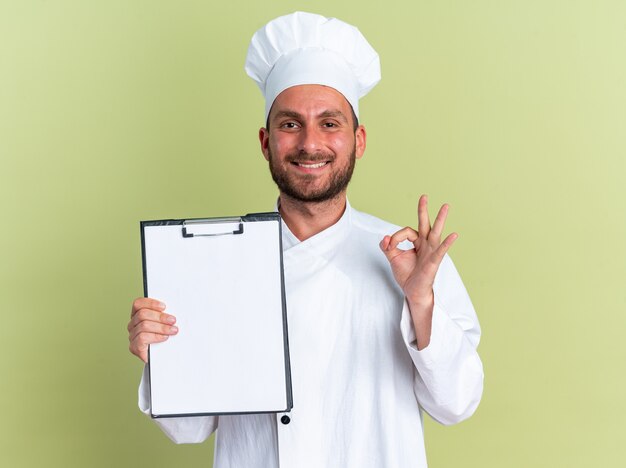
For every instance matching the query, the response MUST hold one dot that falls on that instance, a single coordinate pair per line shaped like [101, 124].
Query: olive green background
[513, 112]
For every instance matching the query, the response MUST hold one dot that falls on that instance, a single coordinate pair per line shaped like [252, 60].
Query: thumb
[390, 250]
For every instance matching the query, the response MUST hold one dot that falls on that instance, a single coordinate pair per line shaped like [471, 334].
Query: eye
[289, 125]
[330, 125]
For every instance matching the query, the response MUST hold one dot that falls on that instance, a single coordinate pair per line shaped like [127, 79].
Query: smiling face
[311, 143]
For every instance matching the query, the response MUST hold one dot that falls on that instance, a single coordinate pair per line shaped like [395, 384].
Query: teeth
[312, 166]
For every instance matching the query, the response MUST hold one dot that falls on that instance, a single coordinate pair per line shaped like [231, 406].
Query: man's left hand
[415, 269]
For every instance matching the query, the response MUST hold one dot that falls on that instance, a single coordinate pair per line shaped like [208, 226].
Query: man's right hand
[148, 324]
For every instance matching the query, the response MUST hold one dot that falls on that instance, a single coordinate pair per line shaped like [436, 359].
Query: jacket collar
[323, 242]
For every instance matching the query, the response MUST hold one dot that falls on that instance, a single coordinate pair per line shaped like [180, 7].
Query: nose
[310, 140]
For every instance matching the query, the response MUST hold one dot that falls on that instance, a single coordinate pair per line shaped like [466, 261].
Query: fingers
[148, 325]
[440, 220]
[423, 222]
[426, 240]
[147, 333]
[150, 315]
[157, 325]
[423, 227]
[389, 244]
[444, 247]
[146, 303]
[139, 346]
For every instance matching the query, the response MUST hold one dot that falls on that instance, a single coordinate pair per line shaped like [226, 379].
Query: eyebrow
[334, 113]
[287, 113]
[325, 114]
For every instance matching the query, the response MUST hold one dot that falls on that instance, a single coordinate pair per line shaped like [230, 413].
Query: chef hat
[305, 48]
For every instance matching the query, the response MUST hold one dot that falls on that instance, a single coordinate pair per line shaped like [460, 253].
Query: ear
[264, 138]
[360, 141]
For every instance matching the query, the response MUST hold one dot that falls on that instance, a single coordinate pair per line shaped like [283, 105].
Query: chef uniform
[360, 385]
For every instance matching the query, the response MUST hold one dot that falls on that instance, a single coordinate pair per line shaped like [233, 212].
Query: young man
[377, 333]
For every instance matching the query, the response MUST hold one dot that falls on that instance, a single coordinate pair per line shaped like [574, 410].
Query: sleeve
[449, 374]
[191, 430]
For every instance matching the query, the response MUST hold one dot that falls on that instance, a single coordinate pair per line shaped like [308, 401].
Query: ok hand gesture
[415, 269]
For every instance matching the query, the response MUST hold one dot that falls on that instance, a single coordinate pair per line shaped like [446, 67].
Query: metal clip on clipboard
[211, 227]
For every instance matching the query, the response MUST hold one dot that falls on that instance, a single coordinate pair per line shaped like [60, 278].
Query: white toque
[305, 48]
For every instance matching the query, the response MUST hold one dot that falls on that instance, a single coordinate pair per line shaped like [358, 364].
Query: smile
[311, 165]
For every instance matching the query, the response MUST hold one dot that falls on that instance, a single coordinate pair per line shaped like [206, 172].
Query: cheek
[342, 144]
[280, 146]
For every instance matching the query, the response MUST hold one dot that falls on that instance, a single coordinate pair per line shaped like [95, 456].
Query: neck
[305, 219]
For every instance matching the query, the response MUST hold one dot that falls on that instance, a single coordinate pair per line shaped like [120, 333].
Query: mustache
[303, 156]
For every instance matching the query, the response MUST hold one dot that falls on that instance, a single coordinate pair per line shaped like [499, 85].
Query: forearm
[422, 319]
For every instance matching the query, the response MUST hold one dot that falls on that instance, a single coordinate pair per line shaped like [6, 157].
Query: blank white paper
[226, 293]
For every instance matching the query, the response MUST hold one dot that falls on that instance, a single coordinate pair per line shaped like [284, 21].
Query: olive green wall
[513, 112]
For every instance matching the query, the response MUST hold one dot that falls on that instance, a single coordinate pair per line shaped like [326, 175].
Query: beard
[303, 187]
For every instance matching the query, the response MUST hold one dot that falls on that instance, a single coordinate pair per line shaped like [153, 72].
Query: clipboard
[223, 280]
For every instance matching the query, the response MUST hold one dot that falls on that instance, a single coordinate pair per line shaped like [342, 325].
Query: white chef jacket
[359, 383]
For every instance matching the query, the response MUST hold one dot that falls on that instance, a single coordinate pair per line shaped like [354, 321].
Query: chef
[381, 328]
